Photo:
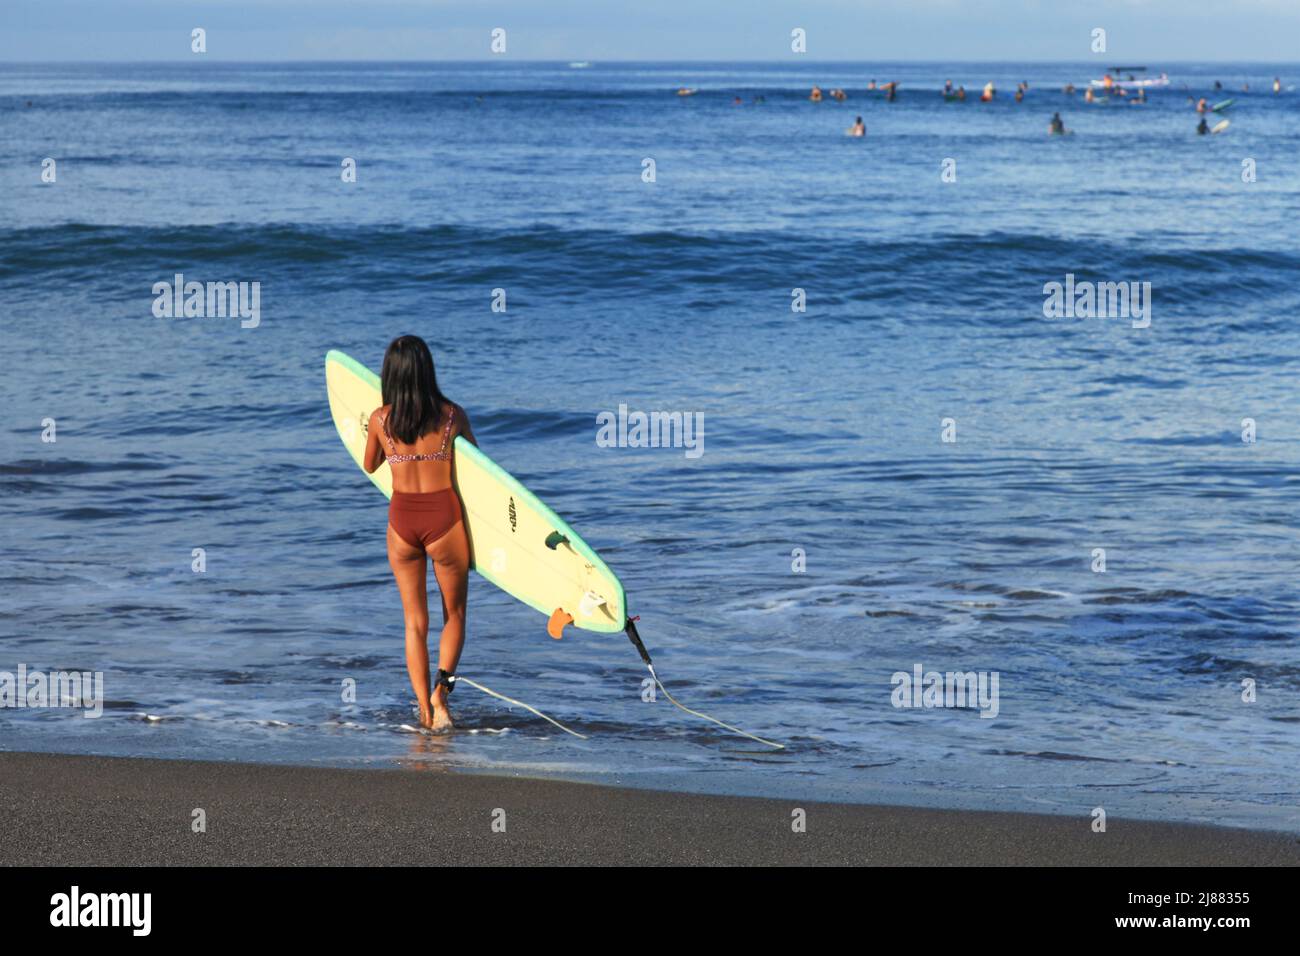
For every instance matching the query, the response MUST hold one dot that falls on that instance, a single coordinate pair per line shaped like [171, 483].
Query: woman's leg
[409, 566]
[450, 555]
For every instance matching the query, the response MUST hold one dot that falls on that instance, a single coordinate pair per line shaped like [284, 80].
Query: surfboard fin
[560, 619]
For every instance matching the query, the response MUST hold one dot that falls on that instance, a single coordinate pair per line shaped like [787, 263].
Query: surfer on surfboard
[415, 432]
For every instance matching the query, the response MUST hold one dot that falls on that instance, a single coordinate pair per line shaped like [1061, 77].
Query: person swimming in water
[990, 91]
[1203, 127]
[816, 94]
[961, 92]
[1068, 89]
[1020, 96]
[415, 431]
[1057, 127]
[1277, 86]
[871, 85]
[947, 86]
[858, 128]
[1202, 105]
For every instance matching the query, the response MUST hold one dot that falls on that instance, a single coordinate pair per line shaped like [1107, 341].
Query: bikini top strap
[446, 432]
[387, 434]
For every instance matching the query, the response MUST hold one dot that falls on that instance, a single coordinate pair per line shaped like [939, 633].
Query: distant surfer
[1202, 105]
[1277, 86]
[947, 87]
[839, 96]
[858, 128]
[1203, 127]
[1057, 127]
[990, 91]
[871, 85]
[1020, 96]
[961, 93]
[1068, 89]
[891, 90]
[1089, 96]
[816, 94]
[415, 432]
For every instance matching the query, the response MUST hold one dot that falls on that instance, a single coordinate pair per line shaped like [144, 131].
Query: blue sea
[828, 537]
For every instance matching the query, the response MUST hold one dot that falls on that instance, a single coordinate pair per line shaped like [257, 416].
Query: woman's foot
[426, 717]
[441, 717]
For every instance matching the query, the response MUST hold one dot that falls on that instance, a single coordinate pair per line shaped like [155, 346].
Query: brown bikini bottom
[421, 518]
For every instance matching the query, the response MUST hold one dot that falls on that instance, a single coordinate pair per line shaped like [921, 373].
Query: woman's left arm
[374, 456]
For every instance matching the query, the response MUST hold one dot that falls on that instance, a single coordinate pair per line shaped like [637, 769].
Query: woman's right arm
[465, 428]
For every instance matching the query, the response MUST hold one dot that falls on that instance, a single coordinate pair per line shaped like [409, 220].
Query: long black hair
[410, 385]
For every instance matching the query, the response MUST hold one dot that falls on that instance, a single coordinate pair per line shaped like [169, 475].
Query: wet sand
[94, 811]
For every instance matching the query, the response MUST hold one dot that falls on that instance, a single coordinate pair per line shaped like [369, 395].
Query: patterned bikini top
[442, 454]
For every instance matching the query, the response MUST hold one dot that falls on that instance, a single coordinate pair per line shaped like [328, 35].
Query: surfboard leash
[630, 629]
[457, 678]
[635, 638]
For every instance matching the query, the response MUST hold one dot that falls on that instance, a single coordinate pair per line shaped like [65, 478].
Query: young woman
[415, 431]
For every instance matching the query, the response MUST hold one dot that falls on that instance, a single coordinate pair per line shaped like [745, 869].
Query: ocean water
[823, 429]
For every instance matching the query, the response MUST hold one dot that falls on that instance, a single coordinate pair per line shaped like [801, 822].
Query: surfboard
[1221, 106]
[1220, 126]
[516, 542]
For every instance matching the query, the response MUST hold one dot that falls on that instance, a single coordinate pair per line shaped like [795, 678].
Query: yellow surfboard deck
[508, 526]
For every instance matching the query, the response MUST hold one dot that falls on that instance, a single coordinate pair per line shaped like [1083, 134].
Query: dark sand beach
[93, 811]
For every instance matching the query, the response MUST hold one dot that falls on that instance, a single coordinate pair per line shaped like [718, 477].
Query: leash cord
[645, 656]
[510, 700]
[736, 730]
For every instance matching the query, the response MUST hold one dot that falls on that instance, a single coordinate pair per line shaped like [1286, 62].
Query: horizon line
[618, 60]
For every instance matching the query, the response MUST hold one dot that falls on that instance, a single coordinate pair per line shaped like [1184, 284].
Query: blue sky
[950, 30]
